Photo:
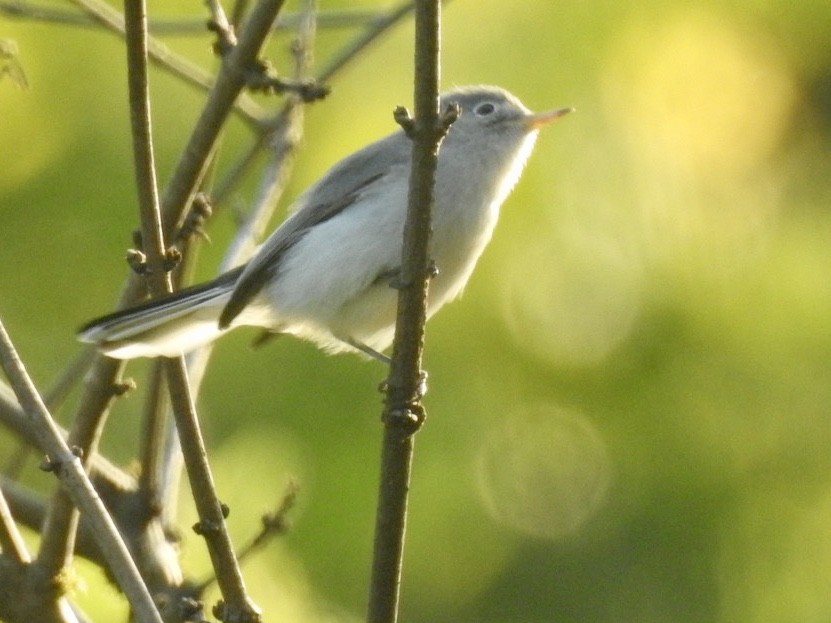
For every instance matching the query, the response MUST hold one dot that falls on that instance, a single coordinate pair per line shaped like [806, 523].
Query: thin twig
[377, 28]
[58, 534]
[236, 605]
[160, 450]
[283, 142]
[13, 418]
[273, 180]
[165, 58]
[60, 526]
[273, 524]
[53, 398]
[71, 375]
[229, 83]
[11, 541]
[404, 413]
[183, 26]
[102, 381]
[157, 262]
[349, 52]
[71, 473]
[238, 12]
[151, 448]
[226, 39]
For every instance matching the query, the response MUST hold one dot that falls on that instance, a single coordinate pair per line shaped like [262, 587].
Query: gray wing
[339, 188]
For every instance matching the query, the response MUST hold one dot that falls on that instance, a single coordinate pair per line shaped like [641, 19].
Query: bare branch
[236, 605]
[145, 169]
[11, 541]
[404, 413]
[273, 524]
[229, 84]
[226, 39]
[13, 418]
[377, 28]
[334, 18]
[71, 472]
[274, 126]
[59, 529]
[164, 57]
[151, 448]
[283, 142]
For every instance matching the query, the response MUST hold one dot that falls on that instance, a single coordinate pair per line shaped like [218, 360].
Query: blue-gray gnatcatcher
[325, 273]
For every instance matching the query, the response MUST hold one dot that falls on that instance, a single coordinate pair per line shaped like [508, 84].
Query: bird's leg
[366, 350]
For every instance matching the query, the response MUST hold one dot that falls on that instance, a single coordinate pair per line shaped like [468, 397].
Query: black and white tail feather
[166, 326]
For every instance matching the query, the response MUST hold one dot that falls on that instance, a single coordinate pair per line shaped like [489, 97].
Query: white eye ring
[484, 109]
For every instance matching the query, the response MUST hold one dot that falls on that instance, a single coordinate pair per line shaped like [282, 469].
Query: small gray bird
[325, 274]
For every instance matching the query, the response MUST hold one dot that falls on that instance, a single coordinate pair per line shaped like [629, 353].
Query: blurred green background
[629, 408]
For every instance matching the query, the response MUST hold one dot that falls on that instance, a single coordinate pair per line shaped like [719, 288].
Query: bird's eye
[483, 110]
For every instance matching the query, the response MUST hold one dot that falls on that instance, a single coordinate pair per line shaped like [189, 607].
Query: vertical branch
[152, 237]
[102, 384]
[404, 412]
[150, 445]
[237, 606]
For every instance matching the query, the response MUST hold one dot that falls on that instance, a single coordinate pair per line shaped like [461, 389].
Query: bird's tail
[166, 326]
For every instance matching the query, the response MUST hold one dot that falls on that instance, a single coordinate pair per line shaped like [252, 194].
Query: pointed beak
[535, 121]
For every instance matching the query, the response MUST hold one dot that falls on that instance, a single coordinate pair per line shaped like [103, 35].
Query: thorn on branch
[172, 257]
[450, 114]
[48, 465]
[262, 77]
[123, 388]
[403, 118]
[137, 260]
[407, 122]
[204, 527]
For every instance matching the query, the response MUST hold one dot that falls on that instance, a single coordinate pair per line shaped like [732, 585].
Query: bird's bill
[535, 121]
